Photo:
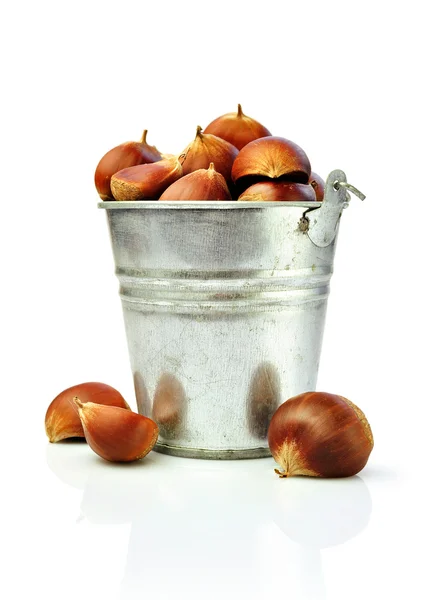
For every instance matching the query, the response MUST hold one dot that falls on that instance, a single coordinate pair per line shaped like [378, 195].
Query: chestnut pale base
[292, 463]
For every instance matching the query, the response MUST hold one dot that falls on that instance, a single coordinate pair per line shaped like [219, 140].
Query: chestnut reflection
[169, 405]
[141, 394]
[118, 494]
[68, 461]
[318, 514]
[263, 399]
[322, 513]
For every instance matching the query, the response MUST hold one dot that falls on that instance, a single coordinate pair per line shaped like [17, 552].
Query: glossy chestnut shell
[145, 182]
[62, 420]
[278, 191]
[237, 128]
[320, 435]
[318, 184]
[206, 149]
[273, 158]
[125, 155]
[203, 184]
[116, 434]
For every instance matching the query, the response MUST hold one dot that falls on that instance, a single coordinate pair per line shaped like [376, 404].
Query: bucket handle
[321, 223]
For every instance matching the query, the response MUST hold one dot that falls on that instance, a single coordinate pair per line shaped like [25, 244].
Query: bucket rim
[200, 204]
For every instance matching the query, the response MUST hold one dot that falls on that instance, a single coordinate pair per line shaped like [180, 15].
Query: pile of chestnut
[314, 434]
[234, 158]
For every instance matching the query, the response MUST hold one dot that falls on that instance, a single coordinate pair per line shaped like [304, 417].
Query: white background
[347, 82]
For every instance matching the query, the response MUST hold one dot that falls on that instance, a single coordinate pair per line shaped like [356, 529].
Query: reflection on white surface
[67, 460]
[317, 514]
[209, 529]
[320, 513]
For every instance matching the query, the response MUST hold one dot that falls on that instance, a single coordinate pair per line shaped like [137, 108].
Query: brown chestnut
[318, 184]
[146, 182]
[237, 129]
[320, 435]
[62, 420]
[206, 149]
[203, 184]
[278, 191]
[270, 157]
[116, 434]
[125, 155]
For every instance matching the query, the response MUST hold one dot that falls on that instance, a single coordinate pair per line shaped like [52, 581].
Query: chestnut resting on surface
[116, 434]
[320, 435]
[62, 420]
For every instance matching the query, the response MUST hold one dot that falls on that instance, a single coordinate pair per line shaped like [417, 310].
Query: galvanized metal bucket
[224, 306]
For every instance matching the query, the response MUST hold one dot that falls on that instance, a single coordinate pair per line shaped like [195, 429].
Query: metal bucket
[224, 306]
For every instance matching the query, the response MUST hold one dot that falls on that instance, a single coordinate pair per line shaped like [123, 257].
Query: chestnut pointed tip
[77, 402]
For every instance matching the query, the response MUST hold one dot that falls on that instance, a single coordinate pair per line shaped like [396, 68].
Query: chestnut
[62, 420]
[320, 435]
[116, 434]
[203, 184]
[206, 149]
[273, 158]
[125, 155]
[278, 191]
[237, 129]
[145, 182]
[318, 184]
